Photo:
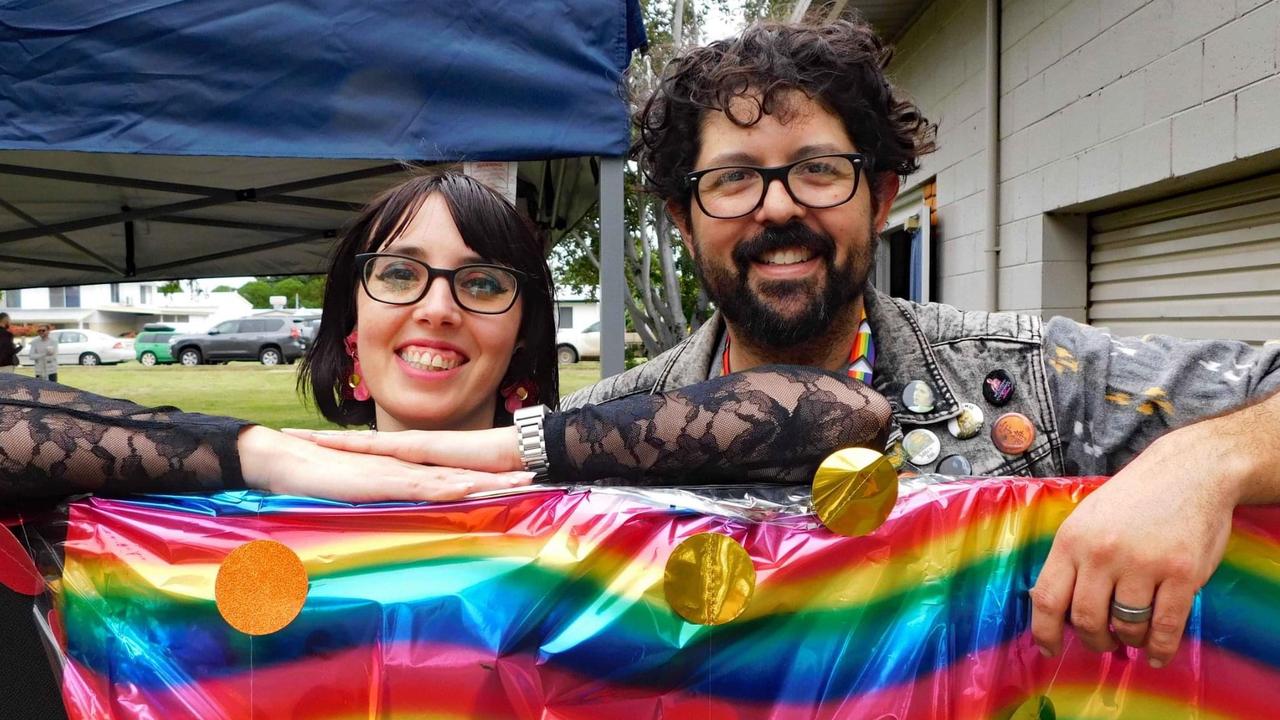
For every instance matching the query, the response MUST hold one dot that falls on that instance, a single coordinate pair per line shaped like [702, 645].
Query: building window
[144, 296]
[565, 317]
[64, 297]
[13, 298]
[115, 292]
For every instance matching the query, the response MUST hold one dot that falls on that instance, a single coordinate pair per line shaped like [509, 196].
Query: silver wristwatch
[532, 440]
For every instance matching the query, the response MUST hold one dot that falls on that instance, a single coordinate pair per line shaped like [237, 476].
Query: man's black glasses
[818, 182]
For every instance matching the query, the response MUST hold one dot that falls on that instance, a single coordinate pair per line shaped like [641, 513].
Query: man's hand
[1154, 533]
[278, 463]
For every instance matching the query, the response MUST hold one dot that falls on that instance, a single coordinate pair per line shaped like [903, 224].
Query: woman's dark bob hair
[490, 226]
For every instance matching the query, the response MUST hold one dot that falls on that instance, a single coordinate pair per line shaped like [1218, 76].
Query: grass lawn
[264, 395]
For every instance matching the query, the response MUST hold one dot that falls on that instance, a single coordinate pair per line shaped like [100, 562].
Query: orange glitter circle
[261, 587]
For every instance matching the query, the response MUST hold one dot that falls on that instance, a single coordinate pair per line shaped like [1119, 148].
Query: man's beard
[759, 322]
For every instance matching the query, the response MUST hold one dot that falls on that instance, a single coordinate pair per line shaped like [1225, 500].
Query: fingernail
[1153, 662]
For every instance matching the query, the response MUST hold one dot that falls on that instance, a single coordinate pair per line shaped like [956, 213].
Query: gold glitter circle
[709, 579]
[854, 491]
[1039, 707]
[261, 587]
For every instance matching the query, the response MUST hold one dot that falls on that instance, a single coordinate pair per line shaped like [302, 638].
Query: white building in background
[576, 313]
[118, 308]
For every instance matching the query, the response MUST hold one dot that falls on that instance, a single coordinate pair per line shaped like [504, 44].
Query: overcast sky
[208, 284]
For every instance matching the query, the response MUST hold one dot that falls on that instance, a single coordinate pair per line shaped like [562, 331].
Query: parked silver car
[83, 347]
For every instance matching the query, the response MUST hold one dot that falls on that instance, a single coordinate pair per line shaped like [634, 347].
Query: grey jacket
[1095, 400]
[44, 353]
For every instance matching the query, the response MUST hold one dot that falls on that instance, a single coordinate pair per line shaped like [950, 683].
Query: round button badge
[955, 466]
[917, 397]
[896, 455]
[922, 446]
[968, 423]
[1013, 433]
[998, 387]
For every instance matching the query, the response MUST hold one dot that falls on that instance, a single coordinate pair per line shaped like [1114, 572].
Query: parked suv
[269, 340]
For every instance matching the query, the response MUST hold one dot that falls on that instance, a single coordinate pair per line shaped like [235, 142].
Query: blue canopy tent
[152, 139]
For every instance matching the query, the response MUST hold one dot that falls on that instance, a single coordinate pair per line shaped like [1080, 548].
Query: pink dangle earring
[359, 389]
[519, 394]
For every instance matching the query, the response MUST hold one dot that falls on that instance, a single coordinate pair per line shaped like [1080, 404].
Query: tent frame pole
[247, 250]
[169, 187]
[224, 197]
[613, 282]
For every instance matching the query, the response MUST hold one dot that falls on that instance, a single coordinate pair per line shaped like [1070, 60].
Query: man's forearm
[1248, 442]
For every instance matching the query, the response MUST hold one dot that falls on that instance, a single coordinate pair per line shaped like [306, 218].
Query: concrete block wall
[1099, 100]
[941, 63]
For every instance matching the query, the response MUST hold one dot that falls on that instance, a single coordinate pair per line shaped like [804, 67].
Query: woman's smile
[430, 358]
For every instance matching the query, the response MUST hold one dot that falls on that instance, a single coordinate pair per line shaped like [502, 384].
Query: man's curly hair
[840, 65]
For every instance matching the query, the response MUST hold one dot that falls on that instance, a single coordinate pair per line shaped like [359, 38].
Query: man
[778, 155]
[8, 347]
[44, 352]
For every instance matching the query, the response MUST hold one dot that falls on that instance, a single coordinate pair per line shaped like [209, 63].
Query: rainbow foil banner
[550, 604]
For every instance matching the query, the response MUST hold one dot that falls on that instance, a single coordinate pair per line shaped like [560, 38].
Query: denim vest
[1095, 400]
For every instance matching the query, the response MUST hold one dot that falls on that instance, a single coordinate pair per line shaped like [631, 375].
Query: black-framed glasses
[822, 181]
[402, 280]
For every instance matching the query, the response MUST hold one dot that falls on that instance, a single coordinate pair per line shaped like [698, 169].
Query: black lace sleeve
[57, 441]
[772, 424]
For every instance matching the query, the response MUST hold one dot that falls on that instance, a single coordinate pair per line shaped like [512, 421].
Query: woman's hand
[278, 463]
[493, 450]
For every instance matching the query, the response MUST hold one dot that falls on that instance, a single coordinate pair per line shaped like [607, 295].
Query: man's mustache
[791, 235]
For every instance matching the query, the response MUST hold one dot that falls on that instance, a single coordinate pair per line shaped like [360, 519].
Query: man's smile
[786, 263]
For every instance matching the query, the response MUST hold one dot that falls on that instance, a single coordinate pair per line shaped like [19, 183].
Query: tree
[170, 288]
[224, 288]
[305, 290]
[665, 302]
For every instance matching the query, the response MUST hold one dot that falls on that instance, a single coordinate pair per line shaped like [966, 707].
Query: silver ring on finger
[1125, 613]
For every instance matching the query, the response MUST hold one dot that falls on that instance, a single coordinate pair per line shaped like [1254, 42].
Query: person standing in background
[44, 352]
[8, 348]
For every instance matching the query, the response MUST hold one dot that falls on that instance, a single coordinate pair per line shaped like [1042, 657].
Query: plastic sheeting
[550, 603]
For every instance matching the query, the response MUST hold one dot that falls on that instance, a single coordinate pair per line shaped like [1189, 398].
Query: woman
[400, 350]
[459, 354]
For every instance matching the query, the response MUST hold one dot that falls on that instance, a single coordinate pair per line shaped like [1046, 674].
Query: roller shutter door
[1203, 265]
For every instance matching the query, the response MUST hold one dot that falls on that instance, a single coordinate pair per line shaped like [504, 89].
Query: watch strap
[532, 440]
